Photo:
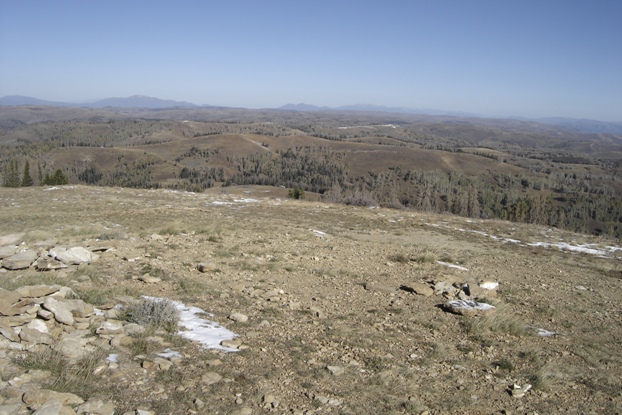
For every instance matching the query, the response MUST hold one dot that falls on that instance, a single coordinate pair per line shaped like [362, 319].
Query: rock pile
[40, 318]
[44, 256]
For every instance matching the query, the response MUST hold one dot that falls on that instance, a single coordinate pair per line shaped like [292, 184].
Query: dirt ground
[333, 325]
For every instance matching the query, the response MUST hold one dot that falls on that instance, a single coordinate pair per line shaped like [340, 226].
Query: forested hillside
[513, 170]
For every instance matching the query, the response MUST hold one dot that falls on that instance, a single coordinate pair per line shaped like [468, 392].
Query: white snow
[168, 353]
[113, 358]
[447, 264]
[207, 333]
[320, 233]
[489, 285]
[470, 305]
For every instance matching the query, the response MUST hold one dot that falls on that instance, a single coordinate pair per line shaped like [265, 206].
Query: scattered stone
[519, 391]
[110, 327]
[148, 279]
[418, 288]
[207, 267]
[13, 409]
[381, 288]
[239, 317]
[210, 378]
[8, 332]
[336, 370]
[468, 308]
[245, 410]
[21, 260]
[317, 312]
[232, 344]
[95, 407]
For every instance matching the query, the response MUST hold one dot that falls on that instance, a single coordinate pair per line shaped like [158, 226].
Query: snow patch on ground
[207, 333]
[447, 264]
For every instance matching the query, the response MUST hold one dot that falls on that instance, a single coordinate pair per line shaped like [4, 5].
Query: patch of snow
[489, 285]
[320, 233]
[168, 353]
[207, 333]
[544, 333]
[51, 188]
[447, 264]
[112, 358]
[244, 200]
[470, 305]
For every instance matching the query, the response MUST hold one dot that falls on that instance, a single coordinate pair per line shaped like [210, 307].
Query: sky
[529, 58]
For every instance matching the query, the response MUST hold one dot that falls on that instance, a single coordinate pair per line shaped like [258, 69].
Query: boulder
[73, 256]
[21, 260]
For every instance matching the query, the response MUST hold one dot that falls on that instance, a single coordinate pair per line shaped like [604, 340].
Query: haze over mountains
[142, 101]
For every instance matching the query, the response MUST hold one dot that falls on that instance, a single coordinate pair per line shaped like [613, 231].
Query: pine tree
[11, 174]
[26, 179]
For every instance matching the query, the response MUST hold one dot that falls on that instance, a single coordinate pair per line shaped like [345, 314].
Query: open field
[334, 322]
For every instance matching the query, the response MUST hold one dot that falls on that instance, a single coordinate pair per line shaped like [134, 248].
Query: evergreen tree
[40, 173]
[11, 175]
[26, 179]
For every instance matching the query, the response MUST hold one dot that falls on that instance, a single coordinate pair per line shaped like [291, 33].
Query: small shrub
[504, 364]
[155, 313]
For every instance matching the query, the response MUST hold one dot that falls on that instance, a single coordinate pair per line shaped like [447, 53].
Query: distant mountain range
[141, 101]
[135, 101]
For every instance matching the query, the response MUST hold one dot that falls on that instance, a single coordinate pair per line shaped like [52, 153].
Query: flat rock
[8, 297]
[110, 327]
[336, 370]
[39, 397]
[239, 317]
[49, 264]
[35, 336]
[12, 239]
[96, 407]
[7, 251]
[78, 307]
[11, 409]
[210, 378]
[62, 313]
[73, 256]
[146, 278]
[71, 347]
[21, 260]
[49, 408]
[468, 308]
[34, 291]
[8, 332]
[420, 289]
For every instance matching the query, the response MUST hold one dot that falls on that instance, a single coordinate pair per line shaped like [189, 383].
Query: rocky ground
[337, 309]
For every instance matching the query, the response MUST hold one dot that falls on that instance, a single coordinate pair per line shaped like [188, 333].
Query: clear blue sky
[532, 58]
